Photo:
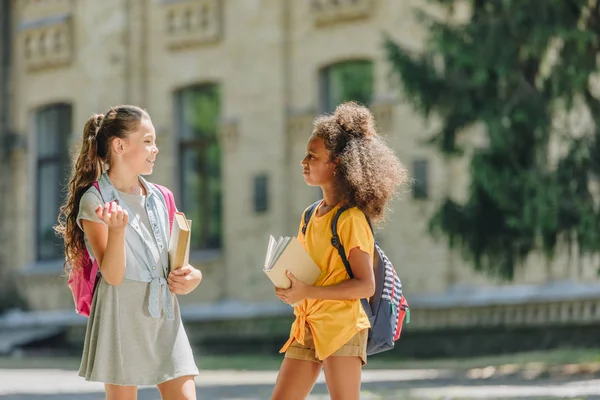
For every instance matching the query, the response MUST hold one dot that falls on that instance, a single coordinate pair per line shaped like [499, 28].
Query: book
[287, 254]
[179, 244]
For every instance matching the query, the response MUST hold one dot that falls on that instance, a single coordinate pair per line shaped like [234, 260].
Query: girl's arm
[108, 241]
[360, 287]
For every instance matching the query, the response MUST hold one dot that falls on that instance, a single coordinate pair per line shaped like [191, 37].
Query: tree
[514, 67]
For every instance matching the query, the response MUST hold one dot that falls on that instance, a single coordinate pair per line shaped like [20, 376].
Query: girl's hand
[297, 292]
[185, 279]
[113, 215]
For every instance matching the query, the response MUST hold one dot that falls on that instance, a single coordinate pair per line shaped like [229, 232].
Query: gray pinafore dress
[134, 335]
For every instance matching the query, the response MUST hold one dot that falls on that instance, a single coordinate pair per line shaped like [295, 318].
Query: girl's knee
[182, 388]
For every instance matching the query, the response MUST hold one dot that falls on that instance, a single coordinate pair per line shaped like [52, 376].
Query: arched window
[345, 81]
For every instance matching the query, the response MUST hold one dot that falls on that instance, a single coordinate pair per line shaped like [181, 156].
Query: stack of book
[287, 254]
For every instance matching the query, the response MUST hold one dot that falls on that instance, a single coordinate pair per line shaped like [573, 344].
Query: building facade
[232, 88]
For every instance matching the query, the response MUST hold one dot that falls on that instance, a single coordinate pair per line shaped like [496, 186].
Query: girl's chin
[309, 181]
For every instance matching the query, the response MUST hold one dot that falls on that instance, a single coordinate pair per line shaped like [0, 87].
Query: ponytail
[88, 167]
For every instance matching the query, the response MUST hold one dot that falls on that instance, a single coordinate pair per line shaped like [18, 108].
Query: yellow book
[179, 244]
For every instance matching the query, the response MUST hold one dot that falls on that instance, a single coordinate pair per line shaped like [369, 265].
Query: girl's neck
[329, 197]
[125, 182]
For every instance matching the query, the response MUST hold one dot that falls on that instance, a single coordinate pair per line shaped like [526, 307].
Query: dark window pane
[261, 199]
[52, 130]
[352, 80]
[200, 163]
[421, 183]
[53, 125]
[49, 245]
[199, 112]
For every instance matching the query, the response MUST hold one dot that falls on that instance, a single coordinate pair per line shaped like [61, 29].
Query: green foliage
[513, 67]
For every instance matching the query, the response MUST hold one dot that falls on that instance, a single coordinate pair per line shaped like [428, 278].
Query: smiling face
[317, 169]
[139, 150]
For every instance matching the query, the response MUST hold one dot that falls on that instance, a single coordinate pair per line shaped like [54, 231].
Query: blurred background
[493, 106]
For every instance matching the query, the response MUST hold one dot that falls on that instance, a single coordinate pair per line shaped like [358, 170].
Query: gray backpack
[388, 308]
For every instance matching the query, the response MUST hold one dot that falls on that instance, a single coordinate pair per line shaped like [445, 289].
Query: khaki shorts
[355, 347]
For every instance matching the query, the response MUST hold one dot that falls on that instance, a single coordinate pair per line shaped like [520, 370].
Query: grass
[272, 362]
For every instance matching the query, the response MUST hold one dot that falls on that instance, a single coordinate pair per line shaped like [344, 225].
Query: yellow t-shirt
[332, 322]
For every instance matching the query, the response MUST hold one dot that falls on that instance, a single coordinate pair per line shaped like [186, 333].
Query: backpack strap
[170, 201]
[308, 213]
[97, 186]
[335, 241]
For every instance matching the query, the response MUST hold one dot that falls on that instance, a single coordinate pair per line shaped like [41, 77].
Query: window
[261, 193]
[346, 81]
[197, 116]
[52, 126]
[421, 183]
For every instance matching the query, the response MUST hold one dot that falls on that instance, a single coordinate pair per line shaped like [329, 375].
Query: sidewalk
[51, 384]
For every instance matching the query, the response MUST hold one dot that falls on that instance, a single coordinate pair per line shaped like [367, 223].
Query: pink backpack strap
[170, 200]
[97, 186]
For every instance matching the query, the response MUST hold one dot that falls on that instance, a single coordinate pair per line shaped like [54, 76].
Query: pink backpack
[82, 280]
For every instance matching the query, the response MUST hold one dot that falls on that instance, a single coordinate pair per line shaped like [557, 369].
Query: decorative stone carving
[327, 12]
[47, 43]
[229, 134]
[191, 23]
[45, 33]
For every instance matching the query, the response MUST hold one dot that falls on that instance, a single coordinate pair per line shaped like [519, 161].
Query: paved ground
[52, 384]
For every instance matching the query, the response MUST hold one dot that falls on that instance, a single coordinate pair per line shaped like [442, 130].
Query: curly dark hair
[94, 155]
[367, 174]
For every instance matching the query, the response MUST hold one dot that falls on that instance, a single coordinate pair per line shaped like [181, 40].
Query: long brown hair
[98, 134]
[367, 172]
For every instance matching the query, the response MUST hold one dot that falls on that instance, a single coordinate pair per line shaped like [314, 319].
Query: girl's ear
[117, 146]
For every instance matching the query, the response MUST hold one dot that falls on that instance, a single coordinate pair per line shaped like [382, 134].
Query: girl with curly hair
[134, 333]
[354, 168]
